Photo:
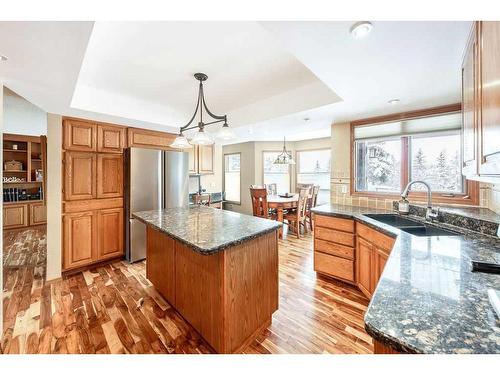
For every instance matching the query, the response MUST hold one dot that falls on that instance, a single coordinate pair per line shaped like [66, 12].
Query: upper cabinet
[79, 175]
[110, 139]
[79, 135]
[109, 176]
[201, 159]
[150, 139]
[481, 102]
[489, 40]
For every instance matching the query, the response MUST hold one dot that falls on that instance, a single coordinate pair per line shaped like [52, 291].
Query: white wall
[23, 117]
[54, 196]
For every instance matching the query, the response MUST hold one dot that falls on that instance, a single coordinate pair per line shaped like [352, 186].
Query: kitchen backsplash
[490, 196]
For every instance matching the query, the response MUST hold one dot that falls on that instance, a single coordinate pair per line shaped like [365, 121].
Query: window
[313, 167]
[275, 173]
[232, 180]
[389, 155]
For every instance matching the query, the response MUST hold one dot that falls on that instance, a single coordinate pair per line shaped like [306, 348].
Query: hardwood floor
[114, 309]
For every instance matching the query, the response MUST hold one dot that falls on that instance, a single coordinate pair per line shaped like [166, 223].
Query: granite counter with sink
[427, 299]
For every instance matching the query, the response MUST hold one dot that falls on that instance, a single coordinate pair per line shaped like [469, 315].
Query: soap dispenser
[403, 206]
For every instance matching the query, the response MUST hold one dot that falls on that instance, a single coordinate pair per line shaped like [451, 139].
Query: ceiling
[266, 76]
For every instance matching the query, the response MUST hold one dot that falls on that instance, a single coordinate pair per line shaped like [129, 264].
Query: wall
[54, 196]
[490, 196]
[1, 208]
[23, 117]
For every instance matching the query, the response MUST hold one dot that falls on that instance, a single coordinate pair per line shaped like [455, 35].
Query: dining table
[280, 204]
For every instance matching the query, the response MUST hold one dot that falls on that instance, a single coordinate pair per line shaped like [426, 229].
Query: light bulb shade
[180, 142]
[226, 133]
[285, 158]
[202, 138]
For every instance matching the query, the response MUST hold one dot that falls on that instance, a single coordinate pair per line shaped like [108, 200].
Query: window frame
[297, 169]
[264, 170]
[224, 177]
[471, 195]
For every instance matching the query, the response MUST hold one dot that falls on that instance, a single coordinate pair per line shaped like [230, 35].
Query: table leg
[280, 219]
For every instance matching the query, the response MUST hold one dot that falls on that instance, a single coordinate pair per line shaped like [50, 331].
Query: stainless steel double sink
[410, 226]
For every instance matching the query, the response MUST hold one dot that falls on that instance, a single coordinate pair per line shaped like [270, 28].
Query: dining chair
[203, 199]
[304, 186]
[260, 207]
[312, 202]
[297, 217]
[272, 189]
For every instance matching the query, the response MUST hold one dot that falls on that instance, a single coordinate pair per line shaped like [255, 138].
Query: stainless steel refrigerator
[154, 179]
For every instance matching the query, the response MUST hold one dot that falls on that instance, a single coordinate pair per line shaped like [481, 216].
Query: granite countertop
[427, 299]
[207, 230]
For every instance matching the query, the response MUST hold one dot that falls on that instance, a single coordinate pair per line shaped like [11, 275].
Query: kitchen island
[218, 269]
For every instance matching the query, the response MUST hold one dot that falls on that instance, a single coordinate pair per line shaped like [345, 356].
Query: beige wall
[490, 196]
[54, 196]
[23, 117]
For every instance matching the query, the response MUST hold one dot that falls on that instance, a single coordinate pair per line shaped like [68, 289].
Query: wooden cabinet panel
[110, 138]
[364, 250]
[79, 237]
[375, 237]
[470, 106]
[149, 139]
[342, 238]
[334, 249]
[38, 213]
[79, 135]
[110, 233]
[160, 267]
[15, 216]
[380, 258]
[79, 175]
[490, 98]
[109, 176]
[345, 225]
[92, 205]
[206, 159]
[334, 266]
[193, 159]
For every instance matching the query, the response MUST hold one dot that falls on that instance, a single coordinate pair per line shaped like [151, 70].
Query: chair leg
[311, 223]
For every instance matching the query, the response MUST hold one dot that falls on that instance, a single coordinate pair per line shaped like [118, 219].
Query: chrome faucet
[431, 213]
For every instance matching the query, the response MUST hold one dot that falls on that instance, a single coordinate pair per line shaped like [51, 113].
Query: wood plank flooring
[114, 309]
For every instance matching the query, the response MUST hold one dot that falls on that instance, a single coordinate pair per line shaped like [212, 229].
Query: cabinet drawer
[345, 225]
[342, 238]
[334, 266]
[334, 249]
[377, 238]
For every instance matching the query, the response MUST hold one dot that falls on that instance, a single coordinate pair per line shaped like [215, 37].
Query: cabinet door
[109, 176]
[160, 267]
[79, 175]
[380, 259]
[193, 159]
[110, 233]
[470, 106]
[38, 213]
[206, 159]
[79, 239]
[150, 139]
[79, 135]
[15, 216]
[490, 98]
[110, 138]
[364, 251]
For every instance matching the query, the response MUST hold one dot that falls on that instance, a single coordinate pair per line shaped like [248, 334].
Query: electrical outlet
[344, 189]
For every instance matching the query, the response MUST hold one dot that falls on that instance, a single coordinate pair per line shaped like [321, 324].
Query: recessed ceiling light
[306, 119]
[3, 58]
[393, 101]
[361, 29]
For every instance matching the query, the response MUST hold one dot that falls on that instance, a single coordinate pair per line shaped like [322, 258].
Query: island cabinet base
[228, 297]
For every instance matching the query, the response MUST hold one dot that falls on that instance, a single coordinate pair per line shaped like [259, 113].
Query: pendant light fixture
[201, 137]
[285, 157]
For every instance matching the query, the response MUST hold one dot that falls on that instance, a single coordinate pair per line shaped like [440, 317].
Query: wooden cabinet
[79, 135]
[201, 159]
[160, 267]
[109, 233]
[109, 176]
[15, 216]
[364, 255]
[150, 139]
[489, 40]
[38, 213]
[481, 103]
[110, 138]
[469, 105]
[79, 175]
[79, 239]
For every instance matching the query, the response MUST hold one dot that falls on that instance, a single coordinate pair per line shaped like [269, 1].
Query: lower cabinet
[15, 216]
[38, 213]
[92, 236]
[364, 256]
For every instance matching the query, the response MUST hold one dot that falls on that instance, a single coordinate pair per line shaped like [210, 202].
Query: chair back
[203, 199]
[314, 198]
[272, 189]
[259, 202]
[302, 203]
[304, 186]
